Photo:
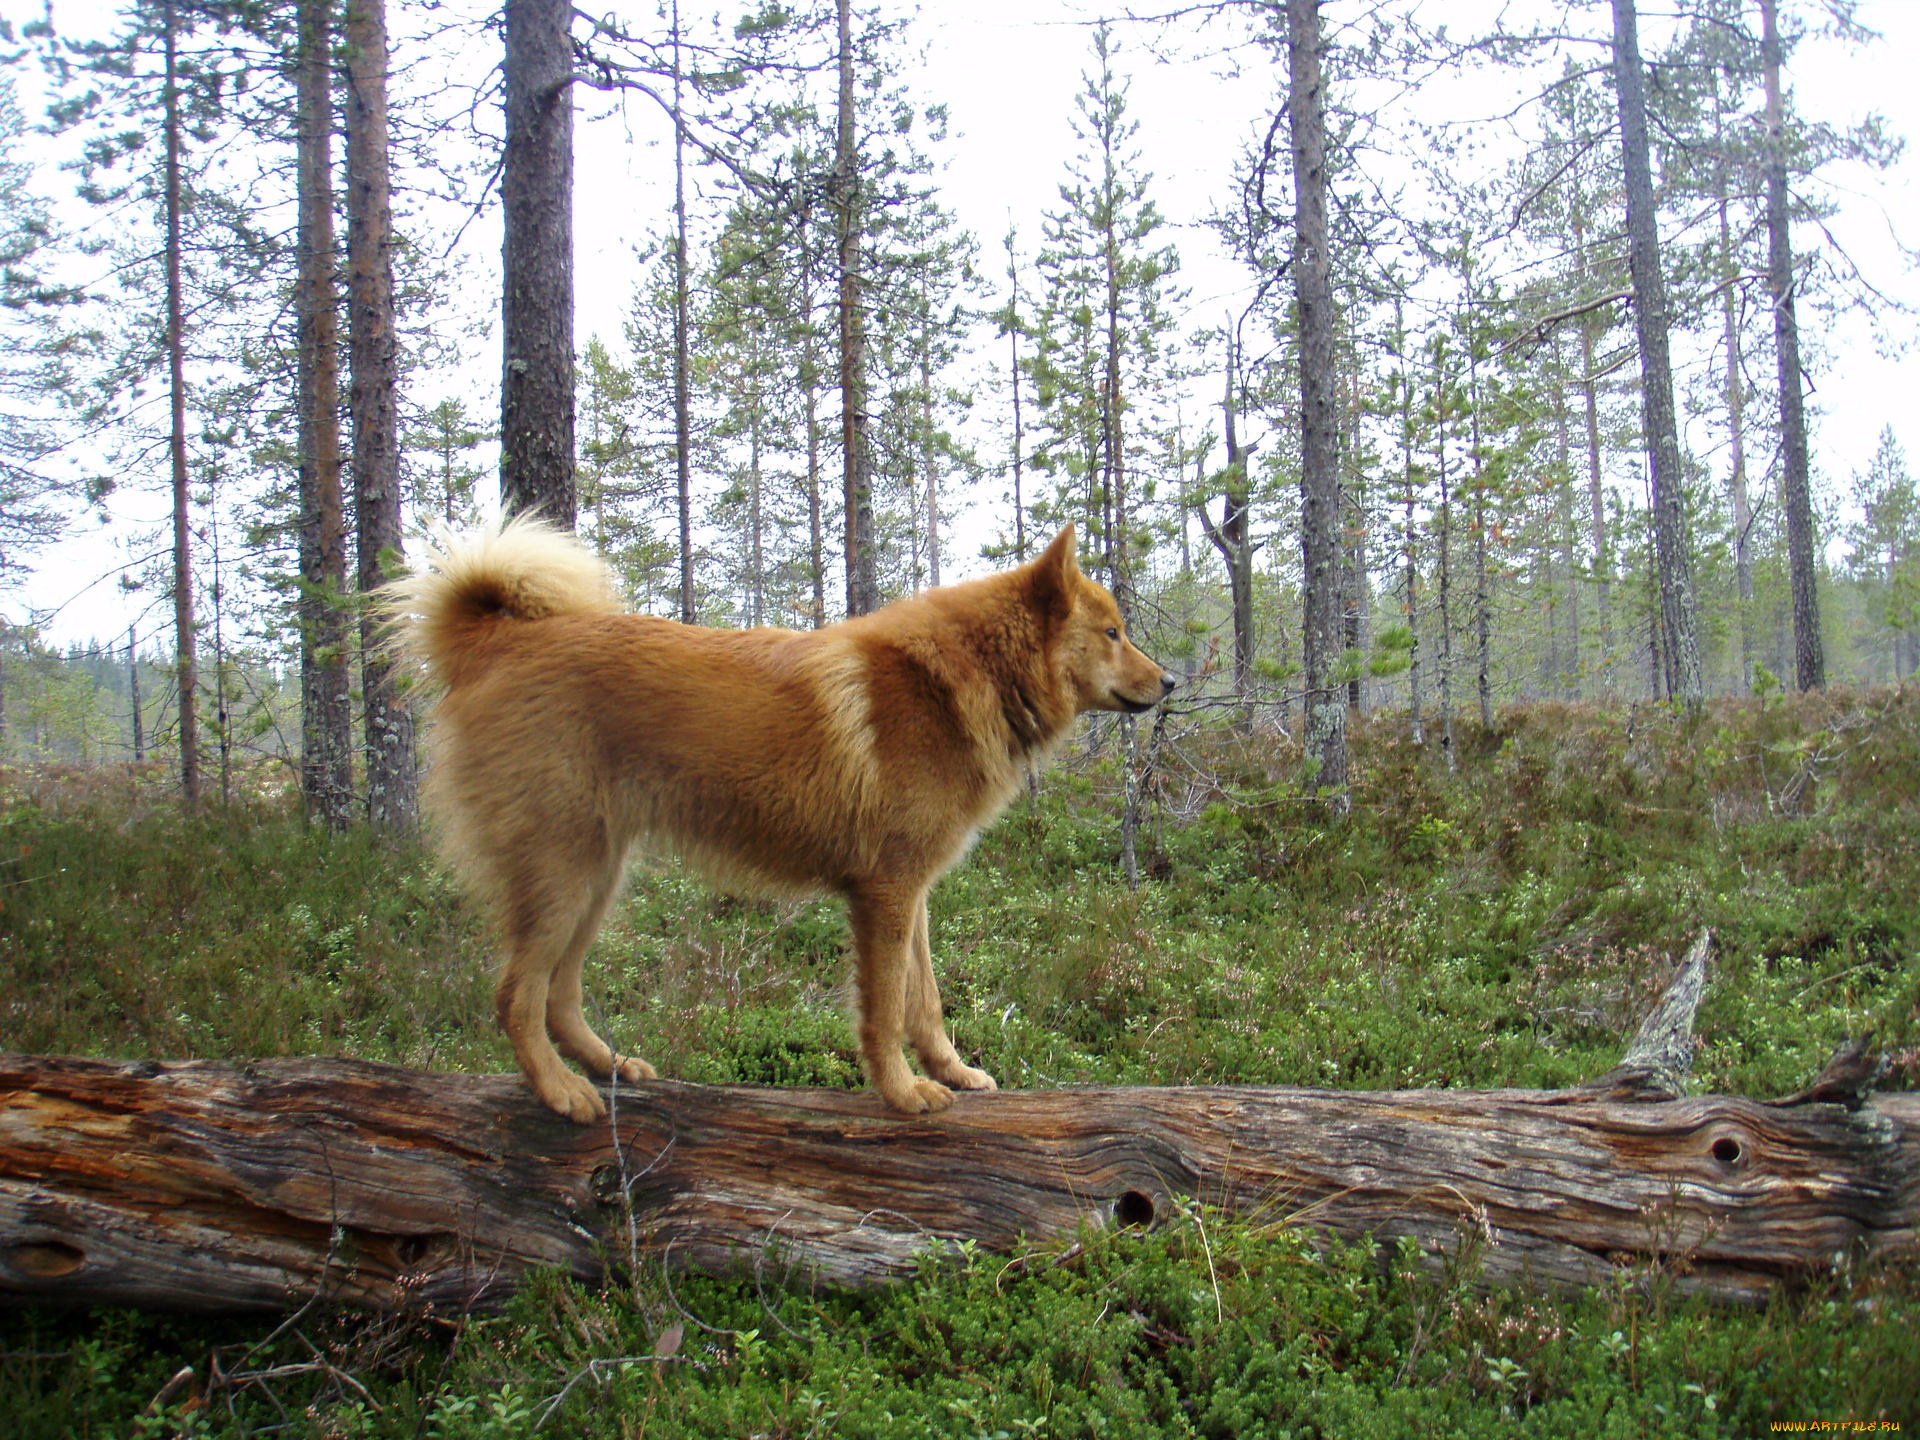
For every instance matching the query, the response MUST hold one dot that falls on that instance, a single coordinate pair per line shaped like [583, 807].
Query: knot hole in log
[43, 1260]
[1134, 1208]
[605, 1184]
[1728, 1150]
[413, 1250]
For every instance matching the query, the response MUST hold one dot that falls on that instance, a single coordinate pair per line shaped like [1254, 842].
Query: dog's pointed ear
[1054, 573]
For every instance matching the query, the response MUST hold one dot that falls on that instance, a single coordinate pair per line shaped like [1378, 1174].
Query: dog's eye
[1113, 632]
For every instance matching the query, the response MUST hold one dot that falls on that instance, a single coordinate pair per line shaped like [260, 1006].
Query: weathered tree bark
[1326, 727]
[393, 803]
[1679, 620]
[183, 622]
[536, 199]
[326, 708]
[201, 1185]
[1809, 653]
[209, 1186]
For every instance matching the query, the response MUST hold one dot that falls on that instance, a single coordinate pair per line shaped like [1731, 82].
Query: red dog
[862, 758]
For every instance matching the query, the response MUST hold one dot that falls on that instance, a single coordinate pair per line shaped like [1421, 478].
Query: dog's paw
[963, 1077]
[921, 1097]
[971, 1079]
[631, 1070]
[573, 1097]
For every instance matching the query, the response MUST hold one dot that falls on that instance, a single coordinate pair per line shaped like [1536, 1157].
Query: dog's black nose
[1167, 682]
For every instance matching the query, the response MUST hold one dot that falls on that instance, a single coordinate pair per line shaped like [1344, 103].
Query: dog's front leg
[883, 916]
[926, 1028]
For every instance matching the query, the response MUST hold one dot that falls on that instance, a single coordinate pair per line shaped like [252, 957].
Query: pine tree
[1679, 618]
[848, 202]
[392, 768]
[536, 192]
[1885, 547]
[1010, 320]
[36, 500]
[326, 750]
[1809, 654]
[1105, 323]
[185, 639]
[442, 482]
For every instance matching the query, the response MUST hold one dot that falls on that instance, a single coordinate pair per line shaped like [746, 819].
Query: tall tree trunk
[1482, 610]
[1326, 727]
[1112, 411]
[1567, 667]
[1679, 621]
[392, 776]
[183, 626]
[1659, 679]
[133, 695]
[756, 516]
[810, 385]
[863, 582]
[1445, 541]
[1409, 542]
[1482, 597]
[326, 706]
[1596, 486]
[536, 198]
[1358, 602]
[927, 447]
[1736, 433]
[682, 362]
[1809, 654]
[1019, 435]
[222, 716]
[1230, 536]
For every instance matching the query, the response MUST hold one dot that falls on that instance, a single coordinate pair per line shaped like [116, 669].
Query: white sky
[1008, 71]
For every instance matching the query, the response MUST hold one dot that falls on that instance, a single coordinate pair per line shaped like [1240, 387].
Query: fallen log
[213, 1186]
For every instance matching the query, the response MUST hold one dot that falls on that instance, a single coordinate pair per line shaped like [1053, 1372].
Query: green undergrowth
[1503, 923]
[1204, 1328]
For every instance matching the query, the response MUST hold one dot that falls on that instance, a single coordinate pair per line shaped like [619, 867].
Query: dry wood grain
[204, 1185]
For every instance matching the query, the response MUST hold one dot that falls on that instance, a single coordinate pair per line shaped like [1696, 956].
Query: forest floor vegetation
[1505, 923]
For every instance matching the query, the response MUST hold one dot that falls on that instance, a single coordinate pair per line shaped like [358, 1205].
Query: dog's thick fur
[862, 758]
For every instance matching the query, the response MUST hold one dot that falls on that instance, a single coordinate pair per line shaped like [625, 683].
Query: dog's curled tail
[524, 569]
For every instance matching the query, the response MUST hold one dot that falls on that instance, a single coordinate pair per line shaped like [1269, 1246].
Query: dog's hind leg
[925, 1027]
[547, 905]
[565, 1022]
[883, 926]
